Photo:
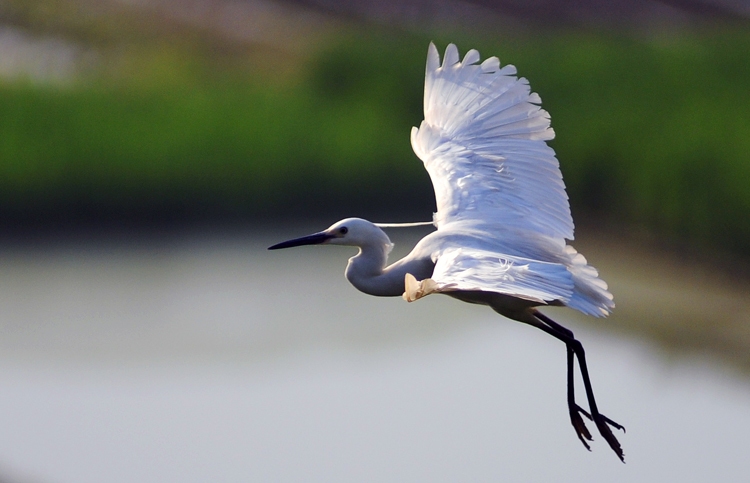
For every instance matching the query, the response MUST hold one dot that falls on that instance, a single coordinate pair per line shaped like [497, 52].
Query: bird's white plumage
[502, 210]
[482, 142]
[475, 269]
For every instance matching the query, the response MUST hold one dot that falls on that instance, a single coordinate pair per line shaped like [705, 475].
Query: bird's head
[350, 232]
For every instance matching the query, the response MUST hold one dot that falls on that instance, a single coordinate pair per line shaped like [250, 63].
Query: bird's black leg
[574, 347]
[574, 409]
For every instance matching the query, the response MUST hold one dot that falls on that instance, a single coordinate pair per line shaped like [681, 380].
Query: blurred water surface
[207, 358]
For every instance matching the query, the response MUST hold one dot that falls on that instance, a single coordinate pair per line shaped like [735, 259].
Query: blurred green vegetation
[651, 131]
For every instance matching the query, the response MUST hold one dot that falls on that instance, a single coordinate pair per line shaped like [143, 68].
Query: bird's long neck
[368, 273]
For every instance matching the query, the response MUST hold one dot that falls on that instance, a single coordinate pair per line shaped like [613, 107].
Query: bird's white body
[502, 217]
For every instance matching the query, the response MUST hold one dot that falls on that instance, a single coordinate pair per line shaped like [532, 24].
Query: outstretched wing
[483, 143]
[502, 211]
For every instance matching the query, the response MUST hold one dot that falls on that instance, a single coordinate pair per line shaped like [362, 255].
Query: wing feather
[470, 269]
[483, 143]
[502, 210]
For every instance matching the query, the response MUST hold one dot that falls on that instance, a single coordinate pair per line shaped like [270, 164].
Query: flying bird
[502, 217]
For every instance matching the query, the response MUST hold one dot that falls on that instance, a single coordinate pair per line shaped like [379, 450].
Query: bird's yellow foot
[416, 289]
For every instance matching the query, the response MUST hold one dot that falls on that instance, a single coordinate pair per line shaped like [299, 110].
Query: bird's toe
[603, 424]
[578, 424]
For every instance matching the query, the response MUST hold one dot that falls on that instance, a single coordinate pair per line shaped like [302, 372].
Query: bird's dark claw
[577, 421]
[603, 423]
[613, 424]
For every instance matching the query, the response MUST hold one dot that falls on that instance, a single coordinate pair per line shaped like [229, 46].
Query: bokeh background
[151, 150]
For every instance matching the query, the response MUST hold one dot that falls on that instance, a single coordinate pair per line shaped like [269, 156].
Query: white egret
[502, 215]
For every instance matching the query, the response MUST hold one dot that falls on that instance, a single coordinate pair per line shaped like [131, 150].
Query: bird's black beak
[313, 239]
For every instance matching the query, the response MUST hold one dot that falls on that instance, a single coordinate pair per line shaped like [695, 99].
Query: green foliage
[653, 131]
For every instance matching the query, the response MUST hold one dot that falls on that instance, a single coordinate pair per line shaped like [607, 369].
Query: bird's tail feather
[590, 294]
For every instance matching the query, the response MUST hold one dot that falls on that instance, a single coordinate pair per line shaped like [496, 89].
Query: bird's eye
[343, 230]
